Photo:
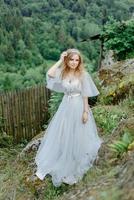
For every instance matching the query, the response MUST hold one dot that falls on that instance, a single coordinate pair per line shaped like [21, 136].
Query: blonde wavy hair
[66, 69]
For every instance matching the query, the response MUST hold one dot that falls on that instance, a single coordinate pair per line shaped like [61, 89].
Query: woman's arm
[86, 105]
[85, 109]
[52, 70]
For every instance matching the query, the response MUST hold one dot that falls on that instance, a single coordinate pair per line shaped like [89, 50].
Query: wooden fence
[24, 112]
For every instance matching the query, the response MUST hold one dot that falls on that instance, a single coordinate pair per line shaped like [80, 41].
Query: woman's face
[73, 61]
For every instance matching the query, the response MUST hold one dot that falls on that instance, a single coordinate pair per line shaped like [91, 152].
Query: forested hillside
[34, 33]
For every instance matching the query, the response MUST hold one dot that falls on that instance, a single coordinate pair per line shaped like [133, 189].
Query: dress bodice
[72, 85]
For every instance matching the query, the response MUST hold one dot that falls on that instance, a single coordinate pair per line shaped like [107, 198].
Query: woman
[71, 142]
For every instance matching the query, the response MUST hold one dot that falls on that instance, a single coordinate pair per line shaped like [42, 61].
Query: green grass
[108, 117]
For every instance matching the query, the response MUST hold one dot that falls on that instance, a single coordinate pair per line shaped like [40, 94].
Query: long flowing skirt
[69, 147]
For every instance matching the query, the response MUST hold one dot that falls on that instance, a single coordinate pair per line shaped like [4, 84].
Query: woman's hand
[63, 55]
[85, 117]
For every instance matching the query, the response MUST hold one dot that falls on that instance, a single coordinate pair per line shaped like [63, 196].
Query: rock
[109, 59]
[32, 145]
[115, 71]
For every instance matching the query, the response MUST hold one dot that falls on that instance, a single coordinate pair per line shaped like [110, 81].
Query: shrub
[119, 36]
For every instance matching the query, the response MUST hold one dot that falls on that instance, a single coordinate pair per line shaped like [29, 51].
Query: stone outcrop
[117, 80]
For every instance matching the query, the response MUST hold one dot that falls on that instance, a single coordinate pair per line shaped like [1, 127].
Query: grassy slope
[100, 182]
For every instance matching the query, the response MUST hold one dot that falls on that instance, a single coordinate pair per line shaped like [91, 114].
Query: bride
[71, 142]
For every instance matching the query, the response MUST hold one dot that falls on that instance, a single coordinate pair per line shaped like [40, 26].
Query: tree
[7, 83]
[119, 36]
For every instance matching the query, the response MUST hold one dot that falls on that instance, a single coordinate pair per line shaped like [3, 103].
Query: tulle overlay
[69, 147]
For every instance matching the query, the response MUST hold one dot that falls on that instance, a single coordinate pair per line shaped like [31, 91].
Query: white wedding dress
[69, 147]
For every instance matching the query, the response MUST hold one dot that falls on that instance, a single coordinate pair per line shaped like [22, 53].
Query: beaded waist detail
[71, 95]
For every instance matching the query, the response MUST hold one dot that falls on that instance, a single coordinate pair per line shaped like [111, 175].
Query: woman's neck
[72, 71]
